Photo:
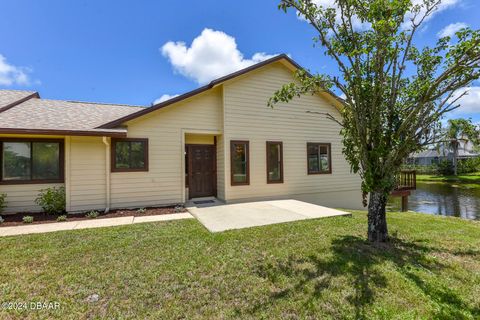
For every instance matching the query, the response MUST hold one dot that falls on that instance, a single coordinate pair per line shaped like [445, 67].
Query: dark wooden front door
[202, 175]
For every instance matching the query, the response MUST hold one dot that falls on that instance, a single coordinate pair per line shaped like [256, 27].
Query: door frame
[181, 138]
[189, 164]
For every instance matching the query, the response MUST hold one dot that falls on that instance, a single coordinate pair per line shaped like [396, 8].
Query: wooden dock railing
[406, 181]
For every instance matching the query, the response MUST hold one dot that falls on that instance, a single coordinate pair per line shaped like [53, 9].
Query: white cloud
[165, 97]
[445, 4]
[469, 103]
[451, 29]
[211, 55]
[10, 74]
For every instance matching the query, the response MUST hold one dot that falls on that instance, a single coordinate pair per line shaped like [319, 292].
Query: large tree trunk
[377, 219]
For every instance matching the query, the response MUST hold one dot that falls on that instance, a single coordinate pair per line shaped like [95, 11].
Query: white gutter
[107, 172]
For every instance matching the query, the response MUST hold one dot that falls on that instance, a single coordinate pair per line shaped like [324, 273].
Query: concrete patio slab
[252, 214]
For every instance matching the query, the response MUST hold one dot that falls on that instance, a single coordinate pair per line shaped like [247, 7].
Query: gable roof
[24, 111]
[213, 83]
[30, 114]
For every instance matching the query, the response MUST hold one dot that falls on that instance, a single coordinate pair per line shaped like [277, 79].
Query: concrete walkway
[223, 217]
[87, 224]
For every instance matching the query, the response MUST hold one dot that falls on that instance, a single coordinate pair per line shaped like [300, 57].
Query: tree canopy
[394, 92]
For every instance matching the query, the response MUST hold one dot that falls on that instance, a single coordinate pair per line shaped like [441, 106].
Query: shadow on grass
[359, 264]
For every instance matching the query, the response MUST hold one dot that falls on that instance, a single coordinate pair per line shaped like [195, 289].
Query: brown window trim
[232, 143]
[281, 161]
[329, 148]
[112, 155]
[61, 159]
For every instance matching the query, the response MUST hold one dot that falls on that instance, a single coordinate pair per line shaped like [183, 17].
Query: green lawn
[309, 269]
[463, 178]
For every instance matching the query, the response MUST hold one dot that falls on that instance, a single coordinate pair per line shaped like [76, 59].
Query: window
[274, 162]
[319, 158]
[129, 154]
[239, 163]
[32, 161]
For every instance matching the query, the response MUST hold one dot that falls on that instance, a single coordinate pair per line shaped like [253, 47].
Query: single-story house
[436, 155]
[220, 140]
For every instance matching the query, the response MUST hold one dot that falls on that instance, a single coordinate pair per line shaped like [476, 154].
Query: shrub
[92, 214]
[62, 218]
[445, 167]
[2, 220]
[52, 200]
[141, 210]
[27, 219]
[469, 165]
[3, 201]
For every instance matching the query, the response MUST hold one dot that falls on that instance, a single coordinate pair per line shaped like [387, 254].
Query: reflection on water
[443, 199]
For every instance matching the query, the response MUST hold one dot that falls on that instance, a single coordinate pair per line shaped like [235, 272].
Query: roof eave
[106, 133]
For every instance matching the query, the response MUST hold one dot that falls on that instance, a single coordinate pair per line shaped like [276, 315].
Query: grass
[309, 269]
[462, 178]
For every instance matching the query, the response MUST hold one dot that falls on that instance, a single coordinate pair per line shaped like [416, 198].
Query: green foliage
[92, 214]
[2, 220]
[395, 93]
[3, 202]
[469, 165]
[62, 218]
[444, 167]
[52, 200]
[27, 219]
[141, 210]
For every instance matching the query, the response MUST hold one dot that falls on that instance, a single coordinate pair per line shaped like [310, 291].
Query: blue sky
[114, 51]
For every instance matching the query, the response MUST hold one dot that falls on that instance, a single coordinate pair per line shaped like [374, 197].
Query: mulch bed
[39, 218]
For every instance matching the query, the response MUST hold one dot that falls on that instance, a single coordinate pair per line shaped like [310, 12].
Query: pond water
[447, 199]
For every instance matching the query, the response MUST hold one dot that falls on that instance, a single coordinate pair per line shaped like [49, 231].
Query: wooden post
[405, 203]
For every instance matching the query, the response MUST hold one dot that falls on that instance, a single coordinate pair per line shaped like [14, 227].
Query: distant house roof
[25, 112]
[433, 153]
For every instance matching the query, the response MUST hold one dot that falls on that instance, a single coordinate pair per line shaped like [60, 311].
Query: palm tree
[458, 131]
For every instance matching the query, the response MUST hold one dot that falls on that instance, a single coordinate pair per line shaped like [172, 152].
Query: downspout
[107, 172]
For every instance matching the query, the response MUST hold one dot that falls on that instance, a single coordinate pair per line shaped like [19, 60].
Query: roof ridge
[33, 94]
[18, 90]
[98, 103]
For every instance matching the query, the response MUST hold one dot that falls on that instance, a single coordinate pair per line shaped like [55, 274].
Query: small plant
[2, 220]
[179, 208]
[62, 218]
[141, 210]
[92, 214]
[27, 219]
[3, 201]
[52, 200]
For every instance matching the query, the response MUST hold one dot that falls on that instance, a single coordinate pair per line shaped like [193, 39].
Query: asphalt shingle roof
[44, 114]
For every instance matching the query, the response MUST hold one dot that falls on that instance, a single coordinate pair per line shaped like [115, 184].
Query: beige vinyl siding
[199, 139]
[162, 184]
[247, 117]
[86, 179]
